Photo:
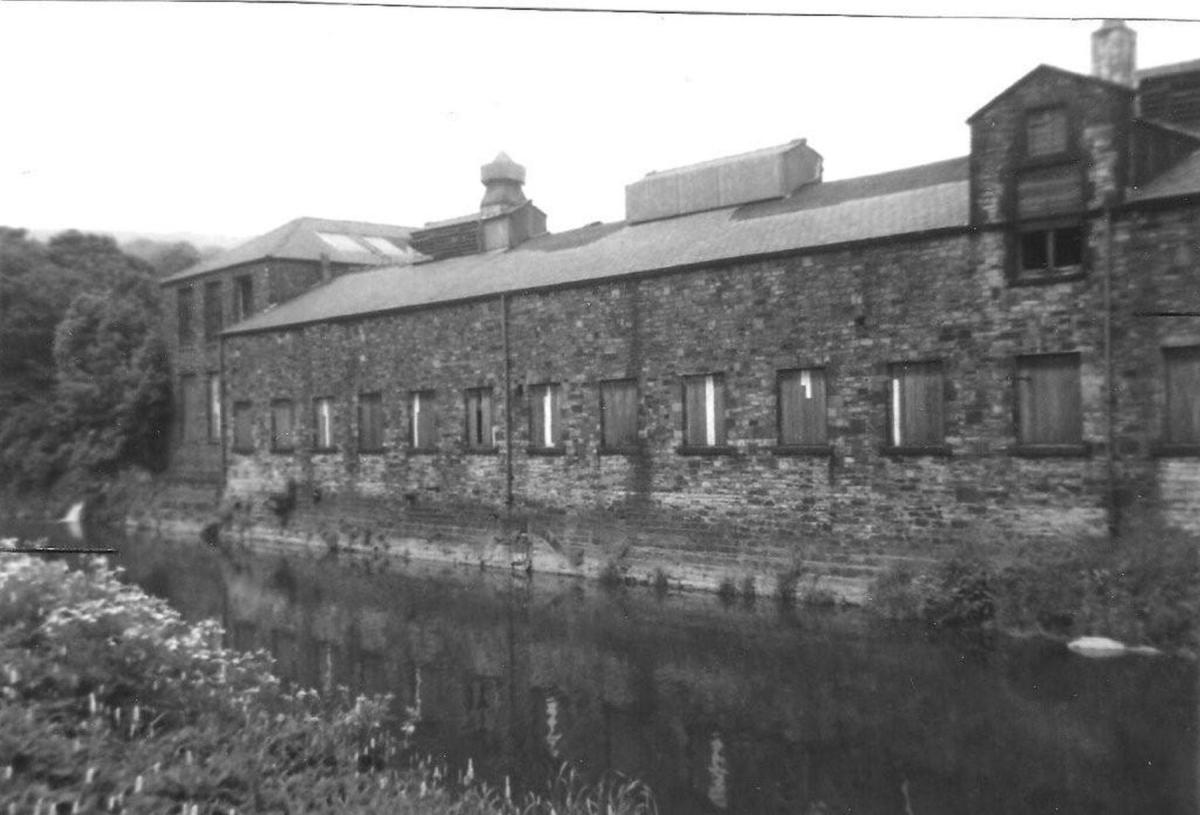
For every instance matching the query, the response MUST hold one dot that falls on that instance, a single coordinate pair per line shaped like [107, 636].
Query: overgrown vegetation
[84, 383]
[1142, 588]
[112, 703]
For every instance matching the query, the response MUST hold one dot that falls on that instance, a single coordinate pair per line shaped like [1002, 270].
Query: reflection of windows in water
[328, 658]
[242, 636]
[482, 700]
[717, 772]
[283, 648]
[553, 734]
[372, 676]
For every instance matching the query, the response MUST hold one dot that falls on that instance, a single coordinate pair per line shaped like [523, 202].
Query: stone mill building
[755, 368]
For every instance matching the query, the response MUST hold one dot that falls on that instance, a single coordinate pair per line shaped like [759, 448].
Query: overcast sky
[230, 119]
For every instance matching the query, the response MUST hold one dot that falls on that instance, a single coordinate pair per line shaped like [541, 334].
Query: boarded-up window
[704, 410]
[243, 297]
[1048, 399]
[618, 414]
[213, 317]
[214, 408]
[479, 418]
[544, 419]
[1046, 132]
[422, 409]
[1183, 395]
[187, 331]
[323, 423]
[188, 415]
[802, 413]
[1048, 193]
[283, 425]
[916, 404]
[243, 427]
[370, 422]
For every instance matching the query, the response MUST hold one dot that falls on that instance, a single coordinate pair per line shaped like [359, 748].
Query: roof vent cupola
[503, 179]
[1114, 53]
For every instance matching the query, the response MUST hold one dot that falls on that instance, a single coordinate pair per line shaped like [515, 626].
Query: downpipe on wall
[1109, 386]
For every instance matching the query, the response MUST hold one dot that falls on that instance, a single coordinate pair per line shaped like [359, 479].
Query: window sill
[908, 451]
[715, 450]
[373, 451]
[482, 451]
[1177, 450]
[1069, 275]
[619, 451]
[1082, 450]
[813, 450]
[545, 451]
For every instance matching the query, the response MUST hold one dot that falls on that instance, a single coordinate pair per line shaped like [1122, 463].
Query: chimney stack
[1114, 52]
[503, 178]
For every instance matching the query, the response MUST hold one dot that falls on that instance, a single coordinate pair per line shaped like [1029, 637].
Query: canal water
[719, 708]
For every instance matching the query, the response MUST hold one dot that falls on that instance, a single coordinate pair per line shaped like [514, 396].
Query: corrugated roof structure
[353, 242]
[919, 199]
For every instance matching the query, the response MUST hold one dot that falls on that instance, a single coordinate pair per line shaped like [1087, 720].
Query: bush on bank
[1142, 589]
[112, 703]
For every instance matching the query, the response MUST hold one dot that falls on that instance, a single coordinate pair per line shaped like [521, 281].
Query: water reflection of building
[719, 710]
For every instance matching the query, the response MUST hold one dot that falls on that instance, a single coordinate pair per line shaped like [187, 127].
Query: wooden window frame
[243, 411]
[1027, 416]
[611, 441]
[185, 315]
[898, 441]
[186, 406]
[370, 401]
[243, 297]
[1067, 134]
[324, 425]
[479, 420]
[703, 413]
[212, 393]
[545, 403]
[422, 403]
[290, 445]
[214, 311]
[786, 441]
[1173, 442]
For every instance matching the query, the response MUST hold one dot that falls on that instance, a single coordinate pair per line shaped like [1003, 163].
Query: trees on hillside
[83, 369]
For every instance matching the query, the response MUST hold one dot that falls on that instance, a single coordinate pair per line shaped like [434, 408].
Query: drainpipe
[221, 396]
[508, 444]
[1110, 390]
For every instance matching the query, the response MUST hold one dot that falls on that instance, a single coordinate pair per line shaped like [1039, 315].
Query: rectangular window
[544, 416]
[213, 318]
[283, 426]
[479, 418]
[185, 303]
[1048, 193]
[704, 410]
[214, 408]
[1048, 400]
[243, 427]
[1046, 132]
[1183, 395]
[619, 414]
[802, 413]
[1051, 250]
[187, 407]
[370, 422]
[323, 423]
[423, 417]
[243, 297]
[916, 404]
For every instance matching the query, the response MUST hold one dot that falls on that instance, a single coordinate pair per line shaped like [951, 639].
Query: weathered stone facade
[959, 295]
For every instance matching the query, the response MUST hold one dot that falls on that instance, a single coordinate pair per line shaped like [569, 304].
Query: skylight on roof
[386, 247]
[342, 243]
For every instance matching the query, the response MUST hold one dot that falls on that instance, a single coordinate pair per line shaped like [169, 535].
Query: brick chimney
[1114, 52]
[503, 178]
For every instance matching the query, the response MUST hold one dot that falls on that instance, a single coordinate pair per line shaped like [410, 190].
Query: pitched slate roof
[299, 240]
[908, 201]
[1168, 70]
[1182, 179]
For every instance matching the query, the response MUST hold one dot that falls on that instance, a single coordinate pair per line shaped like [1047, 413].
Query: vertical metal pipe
[221, 395]
[508, 423]
[1109, 385]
